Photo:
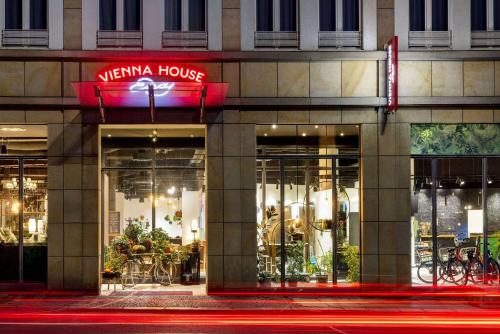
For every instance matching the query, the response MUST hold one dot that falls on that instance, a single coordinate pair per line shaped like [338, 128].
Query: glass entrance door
[23, 224]
[308, 221]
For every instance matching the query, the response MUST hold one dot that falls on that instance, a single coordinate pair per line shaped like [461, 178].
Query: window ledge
[25, 38]
[485, 39]
[339, 39]
[119, 38]
[276, 39]
[429, 39]
[185, 39]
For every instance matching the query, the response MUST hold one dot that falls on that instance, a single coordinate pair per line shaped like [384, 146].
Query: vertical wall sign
[392, 75]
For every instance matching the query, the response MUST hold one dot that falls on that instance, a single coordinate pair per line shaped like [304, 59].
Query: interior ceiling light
[274, 126]
[109, 135]
[13, 129]
[460, 181]
[265, 134]
[341, 134]
[316, 126]
[490, 180]
[304, 134]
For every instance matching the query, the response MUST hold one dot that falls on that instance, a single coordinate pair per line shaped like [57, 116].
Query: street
[396, 313]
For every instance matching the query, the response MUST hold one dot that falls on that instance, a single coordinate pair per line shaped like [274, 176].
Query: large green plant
[455, 139]
[295, 259]
[351, 255]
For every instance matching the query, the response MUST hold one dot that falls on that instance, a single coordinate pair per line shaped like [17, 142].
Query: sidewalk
[465, 300]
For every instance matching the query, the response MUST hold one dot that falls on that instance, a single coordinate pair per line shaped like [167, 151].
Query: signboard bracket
[100, 103]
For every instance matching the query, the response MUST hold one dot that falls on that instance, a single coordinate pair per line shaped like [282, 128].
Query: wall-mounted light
[489, 180]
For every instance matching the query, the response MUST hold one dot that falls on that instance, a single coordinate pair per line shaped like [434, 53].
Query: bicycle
[475, 268]
[451, 271]
[137, 270]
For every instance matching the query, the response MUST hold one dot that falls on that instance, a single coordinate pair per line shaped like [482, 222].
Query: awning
[145, 92]
[137, 94]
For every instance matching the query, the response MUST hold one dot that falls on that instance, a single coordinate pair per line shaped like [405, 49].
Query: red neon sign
[392, 75]
[163, 71]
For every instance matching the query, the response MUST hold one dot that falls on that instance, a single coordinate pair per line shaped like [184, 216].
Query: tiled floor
[154, 289]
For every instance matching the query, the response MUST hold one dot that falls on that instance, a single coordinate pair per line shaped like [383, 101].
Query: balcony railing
[185, 39]
[339, 39]
[429, 39]
[19, 37]
[485, 39]
[119, 39]
[276, 39]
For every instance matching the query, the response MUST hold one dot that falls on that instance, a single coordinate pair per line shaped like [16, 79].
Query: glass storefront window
[458, 187]
[297, 170]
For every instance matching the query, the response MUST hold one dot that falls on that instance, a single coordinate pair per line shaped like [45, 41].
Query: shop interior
[311, 174]
[23, 206]
[459, 199]
[154, 209]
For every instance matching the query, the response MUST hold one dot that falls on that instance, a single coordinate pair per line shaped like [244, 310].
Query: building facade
[294, 115]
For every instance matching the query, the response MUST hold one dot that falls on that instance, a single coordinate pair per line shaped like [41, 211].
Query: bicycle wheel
[493, 272]
[454, 272]
[424, 272]
[162, 272]
[131, 273]
[475, 270]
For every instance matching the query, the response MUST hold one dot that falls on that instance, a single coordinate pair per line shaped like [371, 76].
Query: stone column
[231, 180]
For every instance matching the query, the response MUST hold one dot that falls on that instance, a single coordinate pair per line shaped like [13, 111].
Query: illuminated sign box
[128, 85]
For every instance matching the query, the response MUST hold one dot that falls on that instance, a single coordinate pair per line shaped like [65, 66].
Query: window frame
[490, 16]
[339, 16]
[26, 15]
[185, 17]
[120, 16]
[277, 18]
[428, 16]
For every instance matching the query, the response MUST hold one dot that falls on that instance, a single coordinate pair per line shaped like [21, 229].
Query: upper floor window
[37, 15]
[339, 23]
[26, 23]
[120, 23]
[485, 23]
[112, 18]
[185, 24]
[485, 15]
[434, 18]
[276, 24]
[185, 15]
[429, 24]
[268, 21]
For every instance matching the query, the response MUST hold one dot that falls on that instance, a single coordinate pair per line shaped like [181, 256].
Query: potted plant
[351, 255]
[295, 261]
[264, 278]
[318, 269]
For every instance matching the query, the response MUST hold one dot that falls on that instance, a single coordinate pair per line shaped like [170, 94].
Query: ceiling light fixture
[274, 126]
[341, 134]
[304, 134]
[489, 180]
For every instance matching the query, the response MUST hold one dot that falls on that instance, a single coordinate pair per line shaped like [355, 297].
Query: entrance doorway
[153, 208]
[23, 207]
[308, 232]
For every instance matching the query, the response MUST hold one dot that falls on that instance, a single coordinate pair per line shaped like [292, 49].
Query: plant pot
[292, 284]
[266, 283]
[321, 278]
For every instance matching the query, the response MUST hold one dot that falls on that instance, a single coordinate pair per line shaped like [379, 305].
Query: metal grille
[339, 39]
[119, 39]
[25, 38]
[185, 39]
[276, 39]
